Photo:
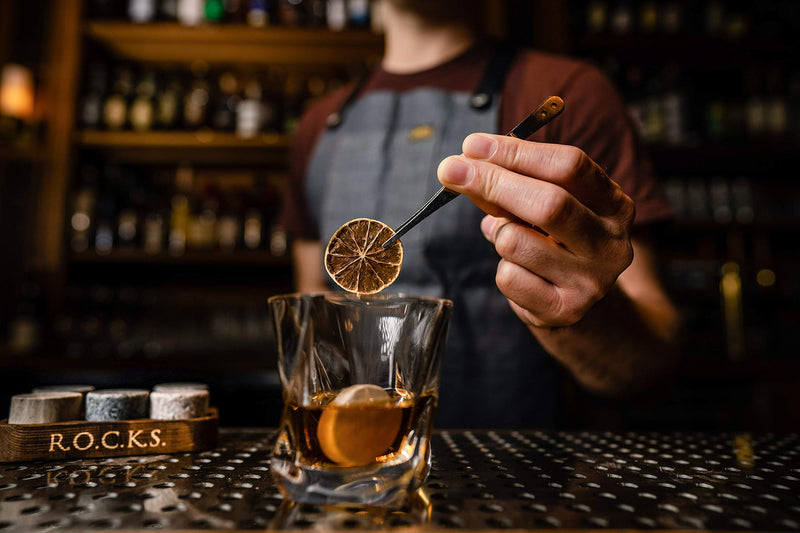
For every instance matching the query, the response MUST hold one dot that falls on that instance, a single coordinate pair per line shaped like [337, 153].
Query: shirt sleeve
[296, 218]
[597, 121]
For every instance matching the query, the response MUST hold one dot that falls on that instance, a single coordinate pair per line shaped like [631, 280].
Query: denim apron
[379, 162]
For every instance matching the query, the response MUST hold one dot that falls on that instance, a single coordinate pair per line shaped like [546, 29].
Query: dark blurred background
[143, 150]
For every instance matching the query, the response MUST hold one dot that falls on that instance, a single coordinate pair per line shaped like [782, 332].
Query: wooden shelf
[44, 363]
[239, 44]
[255, 258]
[180, 139]
[201, 146]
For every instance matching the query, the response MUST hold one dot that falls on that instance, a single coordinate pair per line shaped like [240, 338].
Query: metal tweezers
[540, 116]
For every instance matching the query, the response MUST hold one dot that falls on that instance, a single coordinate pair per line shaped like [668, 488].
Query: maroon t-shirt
[595, 119]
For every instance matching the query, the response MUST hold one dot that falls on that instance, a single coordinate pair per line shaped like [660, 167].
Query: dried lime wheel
[357, 262]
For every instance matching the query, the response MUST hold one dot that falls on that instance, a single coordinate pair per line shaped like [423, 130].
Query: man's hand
[560, 224]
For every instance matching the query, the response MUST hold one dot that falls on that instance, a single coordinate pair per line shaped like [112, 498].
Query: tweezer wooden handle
[547, 111]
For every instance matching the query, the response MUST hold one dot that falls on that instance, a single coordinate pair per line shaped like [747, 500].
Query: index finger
[503, 193]
[566, 166]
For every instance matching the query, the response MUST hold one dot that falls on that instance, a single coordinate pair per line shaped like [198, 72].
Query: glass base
[383, 484]
[293, 515]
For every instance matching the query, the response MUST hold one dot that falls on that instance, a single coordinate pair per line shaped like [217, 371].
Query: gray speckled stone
[178, 404]
[45, 407]
[180, 386]
[116, 404]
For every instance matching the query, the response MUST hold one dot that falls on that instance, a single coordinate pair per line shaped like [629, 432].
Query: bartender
[583, 293]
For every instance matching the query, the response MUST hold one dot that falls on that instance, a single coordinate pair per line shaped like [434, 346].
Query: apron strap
[494, 76]
[491, 83]
[336, 118]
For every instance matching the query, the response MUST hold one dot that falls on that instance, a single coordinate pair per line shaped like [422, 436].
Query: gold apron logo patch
[420, 133]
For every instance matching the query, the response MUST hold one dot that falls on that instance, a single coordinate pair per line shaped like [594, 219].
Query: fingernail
[487, 227]
[455, 171]
[479, 146]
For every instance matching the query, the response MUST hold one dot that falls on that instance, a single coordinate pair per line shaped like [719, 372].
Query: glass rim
[341, 296]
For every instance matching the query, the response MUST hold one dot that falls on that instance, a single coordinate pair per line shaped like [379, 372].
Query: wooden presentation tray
[81, 439]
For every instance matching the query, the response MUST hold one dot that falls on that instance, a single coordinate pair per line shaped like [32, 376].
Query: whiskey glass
[360, 379]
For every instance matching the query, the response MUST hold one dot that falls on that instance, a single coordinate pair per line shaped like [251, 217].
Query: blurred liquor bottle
[336, 15]
[158, 210]
[115, 107]
[674, 106]
[633, 92]
[293, 13]
[180, 206]
[648, 17]
[253, 229]
[141, 11]
[168, 10]
[376, 15]
[81, 220]
[91, 107]
[191, 12]
[250, 110]
[132, 194]
[258, 13]
[229, 228]
[358, 14]
[142, 111]
[672, 18]
[195, 101]
[755, 104]
[777, 105]
[317, 13]
[622, 20]
[596, 17]
[107, 206]
[214, 11]
[158, 187]
[202, 229]
[715, 18]
[153, 232]
[225, 101]
[168, 102]
[235, 11]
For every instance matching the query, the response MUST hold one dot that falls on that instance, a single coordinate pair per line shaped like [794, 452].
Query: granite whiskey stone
[45, 407]
[116, 404]
[178, 404]
[83, 389]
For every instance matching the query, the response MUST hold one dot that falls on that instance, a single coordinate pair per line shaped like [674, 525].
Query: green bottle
[215, 10]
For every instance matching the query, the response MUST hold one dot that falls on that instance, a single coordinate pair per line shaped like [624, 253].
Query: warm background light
[16, 92]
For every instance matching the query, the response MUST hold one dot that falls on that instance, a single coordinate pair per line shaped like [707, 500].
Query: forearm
[307, 260]
[621, 346]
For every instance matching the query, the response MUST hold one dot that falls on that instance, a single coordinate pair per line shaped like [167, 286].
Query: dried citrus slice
[358, 426]
[356, 261]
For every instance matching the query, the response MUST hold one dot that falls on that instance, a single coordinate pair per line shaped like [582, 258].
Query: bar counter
[480, 480]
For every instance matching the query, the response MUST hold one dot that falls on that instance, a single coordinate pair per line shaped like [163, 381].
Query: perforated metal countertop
[480, 480]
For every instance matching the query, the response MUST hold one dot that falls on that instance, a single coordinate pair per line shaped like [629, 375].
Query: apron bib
[380, 162]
